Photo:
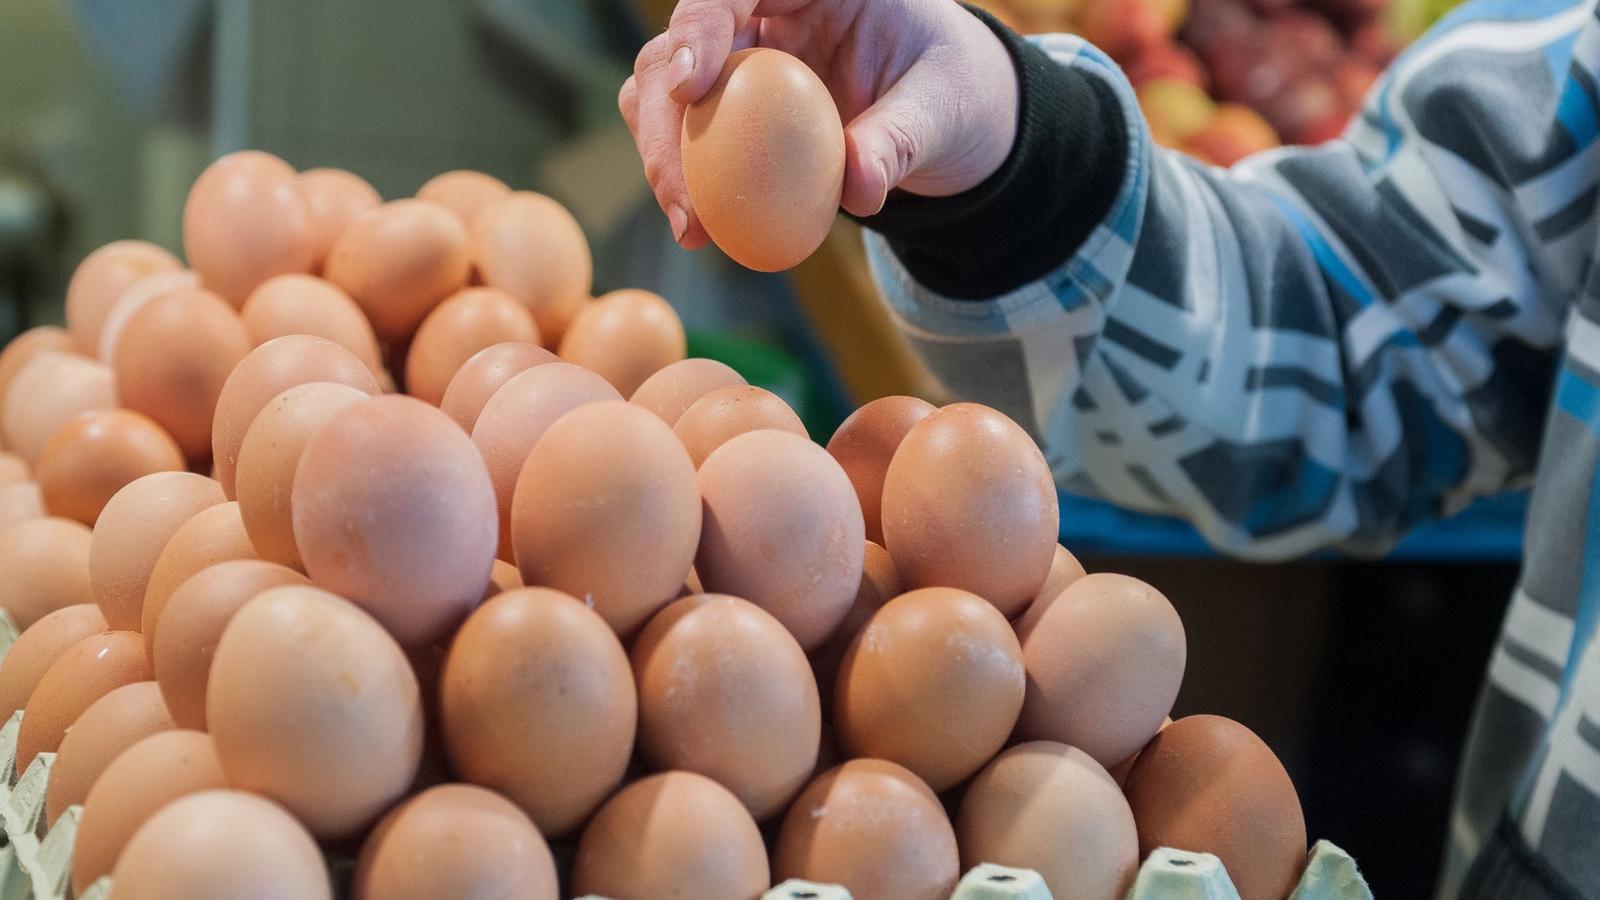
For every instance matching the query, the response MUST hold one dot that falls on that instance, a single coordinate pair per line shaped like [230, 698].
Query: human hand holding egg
[926, 93]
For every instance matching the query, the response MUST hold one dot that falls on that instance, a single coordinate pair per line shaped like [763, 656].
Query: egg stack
[568, 590]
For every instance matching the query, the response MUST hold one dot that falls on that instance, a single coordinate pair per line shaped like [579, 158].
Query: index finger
[700, 37]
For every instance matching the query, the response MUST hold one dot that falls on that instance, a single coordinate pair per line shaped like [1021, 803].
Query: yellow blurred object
[1176, 109]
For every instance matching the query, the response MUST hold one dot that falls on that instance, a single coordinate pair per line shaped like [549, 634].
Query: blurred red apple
[1166, 61]
[1301, 111]
[1350, 14]
[1353, 78]
[1213, 22]
[1373, 44]
[1233, 133]
[1122, 28]
[1311, 36]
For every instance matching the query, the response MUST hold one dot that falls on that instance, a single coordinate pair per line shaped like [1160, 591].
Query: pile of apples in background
[1222, 79]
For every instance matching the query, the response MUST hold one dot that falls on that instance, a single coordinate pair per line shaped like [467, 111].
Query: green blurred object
[767, 365]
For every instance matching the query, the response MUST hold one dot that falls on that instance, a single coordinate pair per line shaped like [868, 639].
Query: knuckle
[653, 54]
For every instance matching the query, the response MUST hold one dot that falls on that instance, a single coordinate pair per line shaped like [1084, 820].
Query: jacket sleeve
[1319, 347]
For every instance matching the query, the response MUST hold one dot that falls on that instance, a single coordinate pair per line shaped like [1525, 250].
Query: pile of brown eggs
[570, 589]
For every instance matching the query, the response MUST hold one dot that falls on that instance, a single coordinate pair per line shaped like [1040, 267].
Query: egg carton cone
[8, 632]
[795, 889]
[38, 860]
[8, 760]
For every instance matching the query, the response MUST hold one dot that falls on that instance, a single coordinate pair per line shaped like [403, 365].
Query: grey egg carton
[36, 862]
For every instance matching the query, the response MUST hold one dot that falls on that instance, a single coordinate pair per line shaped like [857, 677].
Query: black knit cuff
[1058, 183]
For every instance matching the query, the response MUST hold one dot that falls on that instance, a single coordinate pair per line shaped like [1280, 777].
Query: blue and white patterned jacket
[1326, 347]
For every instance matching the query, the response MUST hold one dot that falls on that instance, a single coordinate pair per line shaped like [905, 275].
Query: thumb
[883, 146]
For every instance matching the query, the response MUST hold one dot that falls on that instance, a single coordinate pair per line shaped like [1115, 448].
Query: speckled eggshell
[210, 536]
[607, 508]
[673, 389]
[537, 702]
[676, 834]
[22, 349]
[133, 529]
[1208, 785]
[44, 566]
[192, 623]
[99, 281]
[333, 199]
[268, 456]
[45, 393]
[393, 509]
[398, 261]
[726, 692]
[312, 704]
[222, 844]
[109, 725]
[304, 304]
[1064, 570]
[466, 322]
[244, 222]
[529, 246]
[140, 780]
[934, 682]
[516, 417]
[626, 336]
[969, 502]
[1051, 808]
[765, 490]
[19, 503]
[879, 584]
[865, 443]
[37, 649]
[483, 374]
[463, 192]
[874, 828]
[455, 841]
[98, 453]
[87, 671]
[728, 412]
[266, 372]
[1105, 662]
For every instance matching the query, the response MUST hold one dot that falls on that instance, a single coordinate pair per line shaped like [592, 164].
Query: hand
[927, 92]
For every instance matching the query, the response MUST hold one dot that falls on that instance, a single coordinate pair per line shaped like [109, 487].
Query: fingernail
[681, 68]
[679, 220]
[883, 176]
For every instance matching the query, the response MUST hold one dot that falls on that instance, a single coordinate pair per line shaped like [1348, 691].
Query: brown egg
[463, 193]
[879, 585]
[874, 828]
[676, 387]
[626, 336]
[1064, 570]
[864, 444]
[392, 508]
[148, 775]
[23, 348]
[1050, 808]
[244, 222]
[568, 525]
[676, 834]
[268, 371]
[398, 261]
[99, 281]
[455, 841]
[269, 455]
[313, 705]
[530, 247]
[517, 416]
[503, 576]
[108, 726]
[37, 649]
[933, 682]
[465, 323]
[969, 502]
[763, 159]
[726, 692]
[483, 374]
[727, 412]
[98, 453]
[333, 198]
[1119, 772]
[1208, 785]
[192, 623]
[537, 702]
[85, 672]
[133, 529]
[174, 355]
[782, 529]
[13, 469]
[210, 536]
[19, 503]
[221, 844]
[305, 304]
[45, 562]
[1104, 661]
[45, 393]
[141, 292]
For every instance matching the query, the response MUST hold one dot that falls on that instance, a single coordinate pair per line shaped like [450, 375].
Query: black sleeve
[1030, 216]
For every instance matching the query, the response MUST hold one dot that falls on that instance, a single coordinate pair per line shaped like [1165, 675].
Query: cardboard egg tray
[36, 862]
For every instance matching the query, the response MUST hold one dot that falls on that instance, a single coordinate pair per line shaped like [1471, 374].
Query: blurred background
[1361, 675]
